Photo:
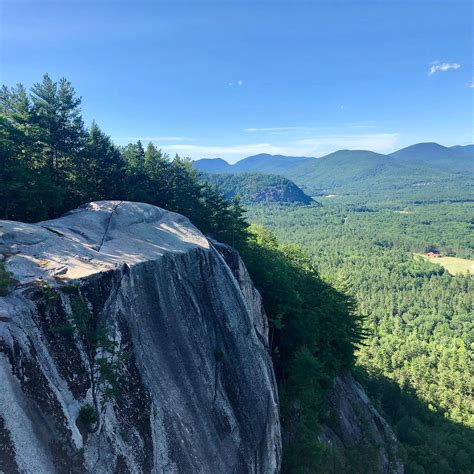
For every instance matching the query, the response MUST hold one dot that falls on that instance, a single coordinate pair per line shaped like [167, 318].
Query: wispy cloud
[314, 146]
[379, 142]
[239, 83]
[310, 129]
[439, 66]
[471, 84]
[275, 129]
[215, 151]
[152, 139]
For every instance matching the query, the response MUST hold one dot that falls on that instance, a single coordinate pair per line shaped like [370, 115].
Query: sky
[235, 78]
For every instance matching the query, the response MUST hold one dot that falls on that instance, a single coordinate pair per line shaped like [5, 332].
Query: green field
[453, 265]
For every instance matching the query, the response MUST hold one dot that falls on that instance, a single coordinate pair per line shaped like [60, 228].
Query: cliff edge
[131, 343]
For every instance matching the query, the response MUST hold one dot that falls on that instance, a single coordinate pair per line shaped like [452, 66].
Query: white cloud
[379, 142]
[438, 66]
[230, 84]
[310, 129]
[240, 82]
[152, 139]
[471, 84]
[274, 129]
[215, 151]
[315, 146]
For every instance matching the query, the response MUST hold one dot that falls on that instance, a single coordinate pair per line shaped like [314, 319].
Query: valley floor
[416, 359]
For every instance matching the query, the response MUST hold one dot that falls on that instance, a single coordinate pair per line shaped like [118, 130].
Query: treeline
[50, 162]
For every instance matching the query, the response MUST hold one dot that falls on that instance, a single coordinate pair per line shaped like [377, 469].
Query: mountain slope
[342, 168]
[258, 188]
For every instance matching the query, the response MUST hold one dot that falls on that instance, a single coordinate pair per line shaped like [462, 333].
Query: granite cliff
[177, 364]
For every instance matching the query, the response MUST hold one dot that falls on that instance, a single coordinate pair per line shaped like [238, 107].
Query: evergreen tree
[56, 112]
[103, 173]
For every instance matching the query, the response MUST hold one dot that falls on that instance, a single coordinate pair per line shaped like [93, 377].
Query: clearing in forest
[453, 265]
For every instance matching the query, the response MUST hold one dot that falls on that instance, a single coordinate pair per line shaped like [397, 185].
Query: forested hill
[421, 167]
[257, 188]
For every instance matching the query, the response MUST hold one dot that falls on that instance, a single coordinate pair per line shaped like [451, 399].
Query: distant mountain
[341, 168]
[417, 167]
[454, 158]
[265, 163]
[213, 165]
[424, 151]
[262, 163]
[258, 187]
[466, 149]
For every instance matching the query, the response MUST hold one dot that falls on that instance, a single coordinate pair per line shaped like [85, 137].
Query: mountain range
[420, 165]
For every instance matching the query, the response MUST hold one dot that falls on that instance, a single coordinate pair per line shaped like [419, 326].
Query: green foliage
[417, 316]
[88, 416]
[47, 294]
[5, 280]
[104, 358]
[257, 187]
[429, 439]
[103, 354]
[313, 333]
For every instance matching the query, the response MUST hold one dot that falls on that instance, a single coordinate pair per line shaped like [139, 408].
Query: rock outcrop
[170, 373]
[358, 438]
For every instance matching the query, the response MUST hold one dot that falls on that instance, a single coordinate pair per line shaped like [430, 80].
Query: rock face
[177, 360]
[360, 440]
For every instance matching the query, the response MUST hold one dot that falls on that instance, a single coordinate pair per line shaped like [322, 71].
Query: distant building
[433, 254]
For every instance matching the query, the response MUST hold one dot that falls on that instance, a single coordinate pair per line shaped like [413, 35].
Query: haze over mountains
[423, 164]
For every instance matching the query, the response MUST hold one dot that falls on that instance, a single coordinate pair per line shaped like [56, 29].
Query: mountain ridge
[418, 165]
[458, 149]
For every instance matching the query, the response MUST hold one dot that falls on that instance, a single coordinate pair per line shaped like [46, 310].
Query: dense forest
[417, 359]
[50, 162]
[257, 188]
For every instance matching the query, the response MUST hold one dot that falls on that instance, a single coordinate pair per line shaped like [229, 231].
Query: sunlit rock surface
[196, 391]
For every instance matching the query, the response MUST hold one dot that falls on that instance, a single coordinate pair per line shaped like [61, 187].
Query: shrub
[5, 280]
[88, 415]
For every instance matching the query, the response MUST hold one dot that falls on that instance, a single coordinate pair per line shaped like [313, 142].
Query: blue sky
[235, 78]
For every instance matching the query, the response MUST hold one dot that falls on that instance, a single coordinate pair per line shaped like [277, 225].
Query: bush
[5, 280]
[88, 415]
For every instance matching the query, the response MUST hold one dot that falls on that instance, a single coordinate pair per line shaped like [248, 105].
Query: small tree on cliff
[102, 351]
